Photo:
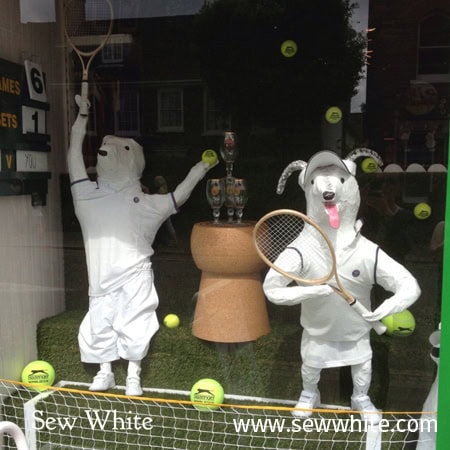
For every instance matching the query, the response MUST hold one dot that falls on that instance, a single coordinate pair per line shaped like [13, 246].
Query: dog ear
[294, 166]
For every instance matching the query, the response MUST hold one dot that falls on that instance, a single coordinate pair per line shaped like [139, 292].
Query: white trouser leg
[310, 396]
[360, 401]
[361, 376]
[310, 378]
[133, 379]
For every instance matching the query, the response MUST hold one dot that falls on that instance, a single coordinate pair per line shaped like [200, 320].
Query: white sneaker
[307, 401]
[134, 387]
[368, 412]
[102, 382]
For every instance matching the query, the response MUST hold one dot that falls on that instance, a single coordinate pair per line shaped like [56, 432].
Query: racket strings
[276, 233]
[87, 18]
[294, 246]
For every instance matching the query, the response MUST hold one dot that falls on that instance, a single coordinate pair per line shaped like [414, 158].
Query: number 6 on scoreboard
[36, 82]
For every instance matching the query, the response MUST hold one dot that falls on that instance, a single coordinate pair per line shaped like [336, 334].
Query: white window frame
[112, 53]
[177, 112]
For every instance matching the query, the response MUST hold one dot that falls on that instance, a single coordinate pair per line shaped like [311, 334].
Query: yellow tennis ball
[208, 394]
[288, 48]
[40, 373]
[333, 115]
[171, 321]
[209, 156]
[369, 165]
[400, 324]
[422, 211]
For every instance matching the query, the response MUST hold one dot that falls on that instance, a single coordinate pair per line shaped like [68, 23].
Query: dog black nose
[328, 196]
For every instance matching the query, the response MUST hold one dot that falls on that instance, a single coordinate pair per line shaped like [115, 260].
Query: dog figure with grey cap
[334, 335]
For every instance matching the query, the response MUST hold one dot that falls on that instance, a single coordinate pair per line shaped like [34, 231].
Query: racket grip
[378, 326]
[84, 102]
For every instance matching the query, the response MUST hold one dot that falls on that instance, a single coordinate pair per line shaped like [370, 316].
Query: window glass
[142, 143]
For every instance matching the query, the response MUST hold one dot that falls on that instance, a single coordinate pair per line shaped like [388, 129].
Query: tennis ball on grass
[369, 165]
[171, 321]
[208, 394]
[209, 156]
[400, 324]
[422, 211]
[40, 373]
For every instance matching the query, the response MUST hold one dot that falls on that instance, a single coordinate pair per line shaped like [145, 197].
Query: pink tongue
[333, 216]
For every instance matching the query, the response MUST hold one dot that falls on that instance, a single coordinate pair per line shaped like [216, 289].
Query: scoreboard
[24, 141]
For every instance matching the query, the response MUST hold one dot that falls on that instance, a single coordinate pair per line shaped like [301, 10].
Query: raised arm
[75, 162]
[184, 189]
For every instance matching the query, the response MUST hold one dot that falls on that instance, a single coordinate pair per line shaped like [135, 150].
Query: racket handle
[84, 102]
[378, 326]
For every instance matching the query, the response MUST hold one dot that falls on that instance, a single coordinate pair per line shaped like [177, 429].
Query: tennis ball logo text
[104, 420]
[204, 395]
[38, 376]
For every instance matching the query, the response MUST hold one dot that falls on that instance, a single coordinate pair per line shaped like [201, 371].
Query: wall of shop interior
[31, 254]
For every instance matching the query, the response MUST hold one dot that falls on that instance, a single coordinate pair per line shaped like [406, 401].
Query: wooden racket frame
[89, 55]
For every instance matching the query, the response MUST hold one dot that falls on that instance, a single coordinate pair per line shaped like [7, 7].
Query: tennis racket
[87, 26]
[295, 246]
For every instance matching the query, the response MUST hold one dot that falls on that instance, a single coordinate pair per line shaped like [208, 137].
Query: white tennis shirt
[330, 324]
[119, 228]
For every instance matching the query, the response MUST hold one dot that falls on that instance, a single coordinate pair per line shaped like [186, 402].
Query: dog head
[120, 161]
[331, 189]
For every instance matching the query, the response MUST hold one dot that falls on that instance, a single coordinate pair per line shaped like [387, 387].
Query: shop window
[170, 109]
[434, 49]
[127, 116]
[112, 54]
[215, 120]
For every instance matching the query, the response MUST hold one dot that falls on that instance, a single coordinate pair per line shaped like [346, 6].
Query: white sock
[134, 368]
[105, 367]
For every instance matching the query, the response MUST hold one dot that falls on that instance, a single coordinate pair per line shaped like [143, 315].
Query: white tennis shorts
[121, 323]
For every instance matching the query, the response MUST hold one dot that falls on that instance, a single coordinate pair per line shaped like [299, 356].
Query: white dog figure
[119, 223]
[334, 334]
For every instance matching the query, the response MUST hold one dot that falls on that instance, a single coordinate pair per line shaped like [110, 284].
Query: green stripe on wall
[443, 435]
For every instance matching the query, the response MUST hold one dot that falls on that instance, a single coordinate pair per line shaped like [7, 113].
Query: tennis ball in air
[422, 211]
[369, 165]
[209, 156]
[171, 321]
[207, 394]
[40, 373]
[400, 324]
[288, 48]
[333, 115]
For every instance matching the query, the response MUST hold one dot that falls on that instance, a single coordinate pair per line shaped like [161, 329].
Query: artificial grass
[269, 367]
